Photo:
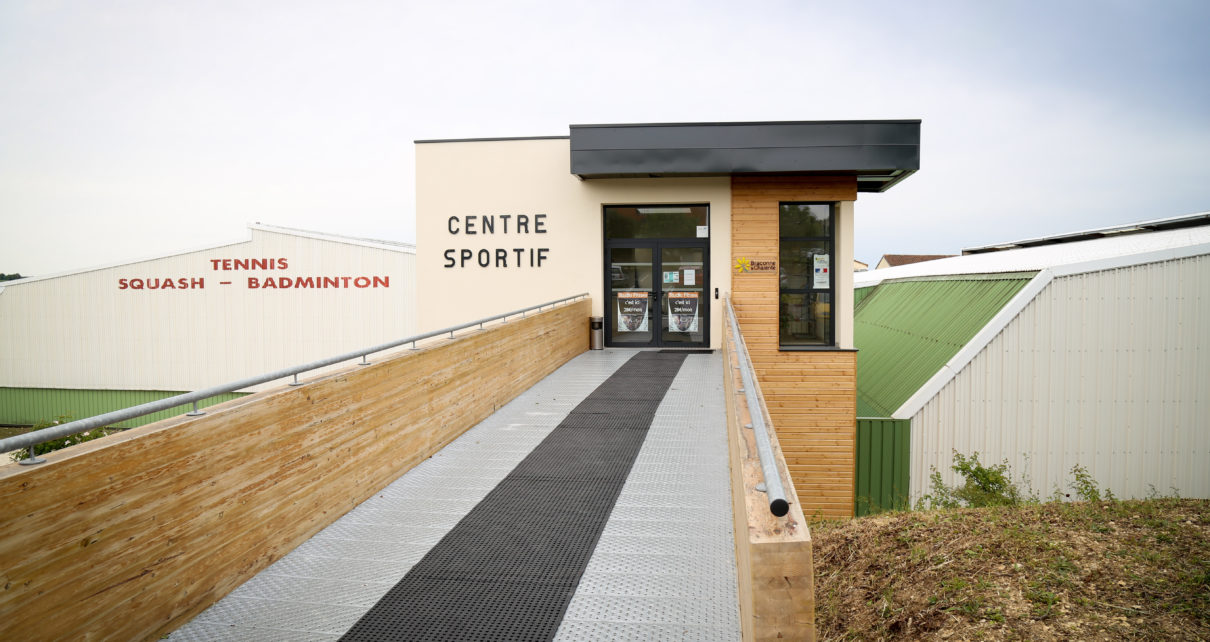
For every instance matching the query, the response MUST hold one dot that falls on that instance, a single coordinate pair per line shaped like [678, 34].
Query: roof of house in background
[917, 325]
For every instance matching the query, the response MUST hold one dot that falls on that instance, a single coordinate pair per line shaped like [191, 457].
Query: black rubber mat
[689, 351]
[508, 570]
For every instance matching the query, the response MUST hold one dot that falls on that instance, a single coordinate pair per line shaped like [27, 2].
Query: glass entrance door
[631, 295]
[658, 294]
[683, 295]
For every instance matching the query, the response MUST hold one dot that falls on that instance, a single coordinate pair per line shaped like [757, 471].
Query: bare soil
[1113, 570]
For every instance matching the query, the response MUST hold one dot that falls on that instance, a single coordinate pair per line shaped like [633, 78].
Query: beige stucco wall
[844, 277]
[530, 177]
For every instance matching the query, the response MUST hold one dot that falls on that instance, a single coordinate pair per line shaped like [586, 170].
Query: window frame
[830, 239]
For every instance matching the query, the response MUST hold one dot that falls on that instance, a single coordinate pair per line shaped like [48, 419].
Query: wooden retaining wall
[129, 536]
[773, 555]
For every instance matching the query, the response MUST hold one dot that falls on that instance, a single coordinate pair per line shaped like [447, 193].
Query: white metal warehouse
[1100, 357]
[95, 340]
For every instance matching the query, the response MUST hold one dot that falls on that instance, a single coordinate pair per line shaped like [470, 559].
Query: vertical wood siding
[811, 395]
[1109, 370]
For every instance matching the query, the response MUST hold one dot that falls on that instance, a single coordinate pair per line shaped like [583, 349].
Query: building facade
[662, 225]
[1083, 350]
[92, 341]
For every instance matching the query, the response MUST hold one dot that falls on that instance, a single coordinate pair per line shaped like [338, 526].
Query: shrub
[63, 442]
[982, 486]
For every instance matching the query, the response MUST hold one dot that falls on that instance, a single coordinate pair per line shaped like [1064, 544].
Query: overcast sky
[140, 128]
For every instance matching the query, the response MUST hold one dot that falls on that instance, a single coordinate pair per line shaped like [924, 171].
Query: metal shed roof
[879, 153]
[906, 331]
[1045, 256]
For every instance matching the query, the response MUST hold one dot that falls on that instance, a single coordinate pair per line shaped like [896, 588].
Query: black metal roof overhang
[879, 153]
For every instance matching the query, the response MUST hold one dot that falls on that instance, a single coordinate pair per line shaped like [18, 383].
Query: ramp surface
[492, 535]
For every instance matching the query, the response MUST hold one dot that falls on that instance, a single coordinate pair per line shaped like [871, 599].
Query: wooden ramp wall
[773, 554]
[129, 536]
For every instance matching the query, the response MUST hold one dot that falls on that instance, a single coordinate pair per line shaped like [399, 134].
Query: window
[807, 286]
[655, 221]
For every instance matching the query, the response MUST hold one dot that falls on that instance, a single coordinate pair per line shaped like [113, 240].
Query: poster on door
[682, 311]
[632, 311]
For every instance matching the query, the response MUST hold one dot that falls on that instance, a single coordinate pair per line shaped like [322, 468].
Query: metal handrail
[31, 439]
[764, 447]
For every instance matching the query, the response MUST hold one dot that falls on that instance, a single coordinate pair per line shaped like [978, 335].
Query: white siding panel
[1109, 370]
[82, 331]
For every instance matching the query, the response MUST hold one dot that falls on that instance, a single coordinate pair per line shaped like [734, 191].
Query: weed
[1086, 487]
[1037, 593]
[953, 585]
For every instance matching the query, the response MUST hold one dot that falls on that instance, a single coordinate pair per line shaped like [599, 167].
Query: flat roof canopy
[879, 153]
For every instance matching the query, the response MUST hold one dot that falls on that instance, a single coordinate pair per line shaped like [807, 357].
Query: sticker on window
[823, 280]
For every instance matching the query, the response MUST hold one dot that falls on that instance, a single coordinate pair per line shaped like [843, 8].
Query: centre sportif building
[661, 224]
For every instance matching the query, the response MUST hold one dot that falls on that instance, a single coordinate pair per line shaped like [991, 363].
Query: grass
[1137, 569]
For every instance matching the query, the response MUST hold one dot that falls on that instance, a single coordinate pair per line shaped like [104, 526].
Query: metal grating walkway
[663, 567]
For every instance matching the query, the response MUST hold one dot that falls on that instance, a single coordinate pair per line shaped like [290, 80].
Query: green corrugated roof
[905, 331]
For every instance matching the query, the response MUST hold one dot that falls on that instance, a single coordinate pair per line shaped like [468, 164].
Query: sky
[131, 129]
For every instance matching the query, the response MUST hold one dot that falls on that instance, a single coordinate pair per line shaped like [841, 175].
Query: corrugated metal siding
[80, 331]
[1109, 370]
[883, 462]
[906, 331]
[859, 295]
[29, 406]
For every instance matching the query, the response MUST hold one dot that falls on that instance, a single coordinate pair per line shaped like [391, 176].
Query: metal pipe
[764, 447]
[83, 425]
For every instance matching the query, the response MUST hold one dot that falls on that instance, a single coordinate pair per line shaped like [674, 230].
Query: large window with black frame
[807, 289]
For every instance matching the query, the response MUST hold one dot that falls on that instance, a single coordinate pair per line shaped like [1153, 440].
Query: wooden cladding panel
[812, 396]
[129, 536]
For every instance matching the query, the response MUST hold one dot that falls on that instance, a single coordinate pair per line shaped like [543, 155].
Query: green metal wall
[882, 465]
[906, 331]
[28, 406]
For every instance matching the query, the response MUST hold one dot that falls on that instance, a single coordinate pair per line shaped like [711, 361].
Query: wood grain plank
[128, 536]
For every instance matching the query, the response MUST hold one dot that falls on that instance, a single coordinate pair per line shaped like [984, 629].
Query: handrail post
[31, 456]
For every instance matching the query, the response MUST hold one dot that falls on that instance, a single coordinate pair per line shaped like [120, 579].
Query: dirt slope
[1081, 571]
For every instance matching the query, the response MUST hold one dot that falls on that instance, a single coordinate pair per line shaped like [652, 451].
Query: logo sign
[754, 266]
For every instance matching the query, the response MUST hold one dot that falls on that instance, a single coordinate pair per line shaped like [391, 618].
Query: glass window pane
[683, 303]
[630, 276]
[798, 263]
[800, 219]
[806, 319]
[654, 221]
